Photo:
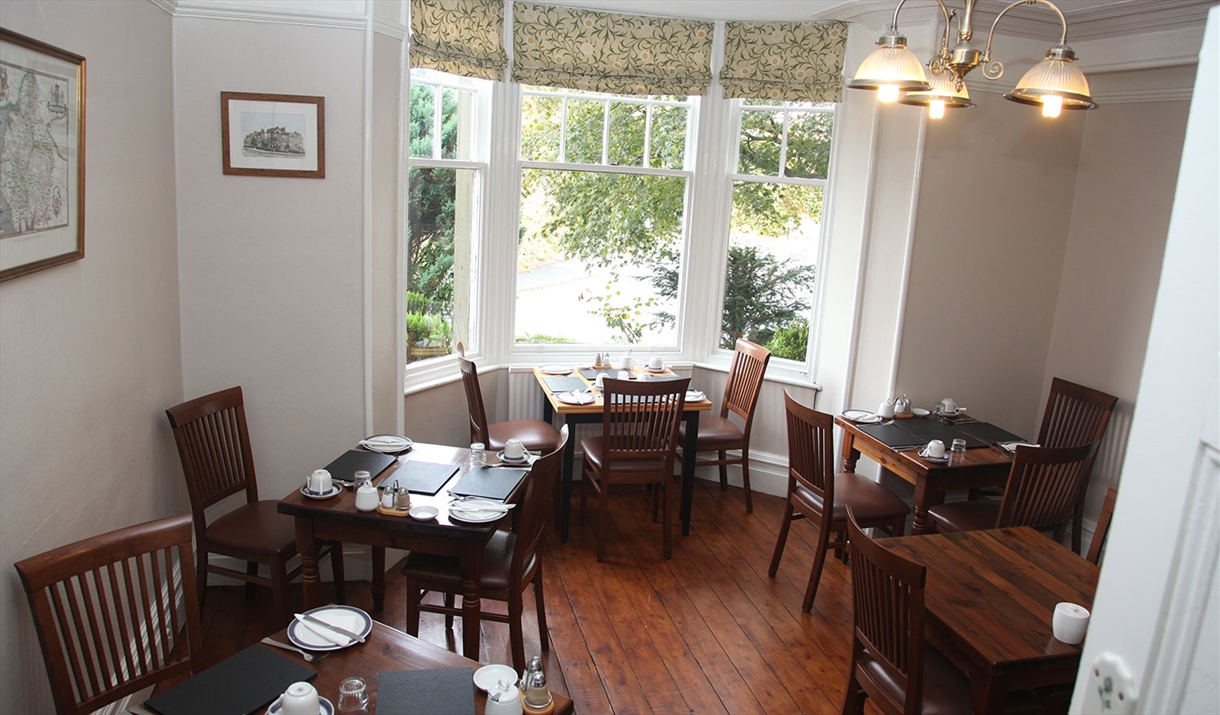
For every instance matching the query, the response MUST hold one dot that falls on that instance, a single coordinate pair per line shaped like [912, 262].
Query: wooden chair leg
[666, 518]
[819, 560]
[780, 540]
[251, 588]
[336, 567]
[540, 606]
[724, 471]
[745, 480]
[602, 518]
[279, 616]
[201, 577]
[516, 639]
[413, 597]
[447, 599]
[853, 698]
[584, 494]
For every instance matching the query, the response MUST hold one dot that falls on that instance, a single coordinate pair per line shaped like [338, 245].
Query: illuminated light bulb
[936, 108]
[887, 93]
[1052, 104]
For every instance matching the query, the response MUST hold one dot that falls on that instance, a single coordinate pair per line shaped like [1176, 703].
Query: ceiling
[1087, 19]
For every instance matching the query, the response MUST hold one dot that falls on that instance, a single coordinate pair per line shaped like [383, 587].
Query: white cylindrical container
[1070, 622]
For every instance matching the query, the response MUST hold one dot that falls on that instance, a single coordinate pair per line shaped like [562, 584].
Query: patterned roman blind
[791, 61]
[610, 52]
[462, 37]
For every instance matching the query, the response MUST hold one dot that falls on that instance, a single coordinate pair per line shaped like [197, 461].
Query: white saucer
[575, 398]
[655, 370]
[335, 488]
[423, 513]
[386, 443]
[327, 708]
[523, 461]
[862, 417]
[555, 369]
[302, 637]
[938, 460]
[956, 413]
[485, 678]
[919, 412]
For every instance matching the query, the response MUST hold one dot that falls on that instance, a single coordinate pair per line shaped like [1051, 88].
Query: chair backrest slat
[214, 446]
[1103, 526]
[1043, 485]
[745, 381]
[474, 401]
[106, 612]
[640, 420]
[1075, 415]
[810, 448]
[540, 486]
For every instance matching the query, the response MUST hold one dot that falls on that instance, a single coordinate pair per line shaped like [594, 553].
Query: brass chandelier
[1055, 83]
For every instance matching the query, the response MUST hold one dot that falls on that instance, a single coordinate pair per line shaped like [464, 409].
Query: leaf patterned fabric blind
[610, 52]
[462, 37]
[790, 61]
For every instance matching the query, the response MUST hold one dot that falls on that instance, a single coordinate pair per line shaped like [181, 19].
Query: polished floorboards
[704, 632]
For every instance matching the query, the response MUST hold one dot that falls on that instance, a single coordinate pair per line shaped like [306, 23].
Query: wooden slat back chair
[890, 660]
[510, 564]
[637, 446]
[719, 433]
[107, 616]
[536, 435]
[812, 484]
[1040, 493]
[214, 448]
[1075, 415]
[1103, 526]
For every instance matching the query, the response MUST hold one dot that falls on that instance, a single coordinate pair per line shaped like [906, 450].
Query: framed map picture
[273, 135]
[42, 155]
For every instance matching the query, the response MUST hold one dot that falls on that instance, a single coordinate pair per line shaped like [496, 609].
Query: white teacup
[319, 481]
[624, 375]
[886, 409]
[655, 363]
[645, 376]
[300, 699]
[628, 363]
[1070, 622]
[935, 449]
[513, 449]
[600, 381]
[948, 406]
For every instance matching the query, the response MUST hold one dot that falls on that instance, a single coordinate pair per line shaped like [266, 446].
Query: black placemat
[489, 482]
[892, 436]
[243, 683]
[564, 384]
[928, 430]
[446, 691]
[345, 467]
[989, 432]
[421, 477]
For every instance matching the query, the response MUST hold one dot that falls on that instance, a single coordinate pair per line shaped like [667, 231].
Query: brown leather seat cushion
[965, 516]
[870, 501]
[536, 435]
[256, 527]
[595, 451]
[497, 561]
[946, 691]
[715, 432]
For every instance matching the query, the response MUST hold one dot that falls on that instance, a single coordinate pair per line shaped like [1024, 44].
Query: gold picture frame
[273, 135]
[42, 165]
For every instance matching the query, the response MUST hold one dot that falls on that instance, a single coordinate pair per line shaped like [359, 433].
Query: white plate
[1011, 447]
[575, 398]
[862, 417]
[335, 488]
[423, 513]
[695, 396]
[476, 516]
[386, 443]
[523, 461]
[302, 637]
[555, 369]
[938, 460]
[327, 708]
[485, 678]
[919, 412]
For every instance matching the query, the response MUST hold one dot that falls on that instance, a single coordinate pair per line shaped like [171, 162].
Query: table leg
[307, 547]
[565, 499]
[926, 496]
[851, 455]
[689, 452]
[472, 566]
[988, 691]
[378, 587]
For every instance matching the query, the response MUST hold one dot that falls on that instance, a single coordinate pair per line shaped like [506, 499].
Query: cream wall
[271, 269]
[89, 351]
[387, 304]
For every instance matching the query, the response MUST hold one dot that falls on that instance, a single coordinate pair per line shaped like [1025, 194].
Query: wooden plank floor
[706, 632]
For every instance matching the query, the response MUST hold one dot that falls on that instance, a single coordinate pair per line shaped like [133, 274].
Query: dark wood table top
[909, 465]
[389, 650]
[596, 406]
[990, 596]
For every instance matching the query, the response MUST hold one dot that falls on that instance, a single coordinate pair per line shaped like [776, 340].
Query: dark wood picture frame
[44, 87]
[273, 135]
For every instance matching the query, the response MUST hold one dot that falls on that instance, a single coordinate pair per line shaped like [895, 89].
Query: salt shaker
[537, 696]
[533, 666]
[387, 498]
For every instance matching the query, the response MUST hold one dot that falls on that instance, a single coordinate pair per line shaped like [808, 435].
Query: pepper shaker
[403, 501]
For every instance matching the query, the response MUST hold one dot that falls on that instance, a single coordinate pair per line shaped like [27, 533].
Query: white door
[1154, 636]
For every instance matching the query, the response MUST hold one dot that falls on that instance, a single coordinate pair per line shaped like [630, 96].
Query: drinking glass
[353, 697]
[957, 453]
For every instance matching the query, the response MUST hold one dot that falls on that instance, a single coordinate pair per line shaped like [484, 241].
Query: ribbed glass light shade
[943, 89]
[1058, 76]
[893, 65]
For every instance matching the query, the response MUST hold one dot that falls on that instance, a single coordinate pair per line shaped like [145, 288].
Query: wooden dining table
[982, 467]
[989, 600]
[591, 413]
[337, 519]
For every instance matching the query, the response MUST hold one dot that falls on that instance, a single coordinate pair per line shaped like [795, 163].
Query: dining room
[978, 257]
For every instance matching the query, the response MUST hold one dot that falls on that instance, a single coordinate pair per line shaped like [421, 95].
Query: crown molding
[1137, 96]
[169, 6]
[390, 29]
[214, 11]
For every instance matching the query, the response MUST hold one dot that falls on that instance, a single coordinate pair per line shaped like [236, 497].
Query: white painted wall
[271, 269]
[386, 150]
[89, 352]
